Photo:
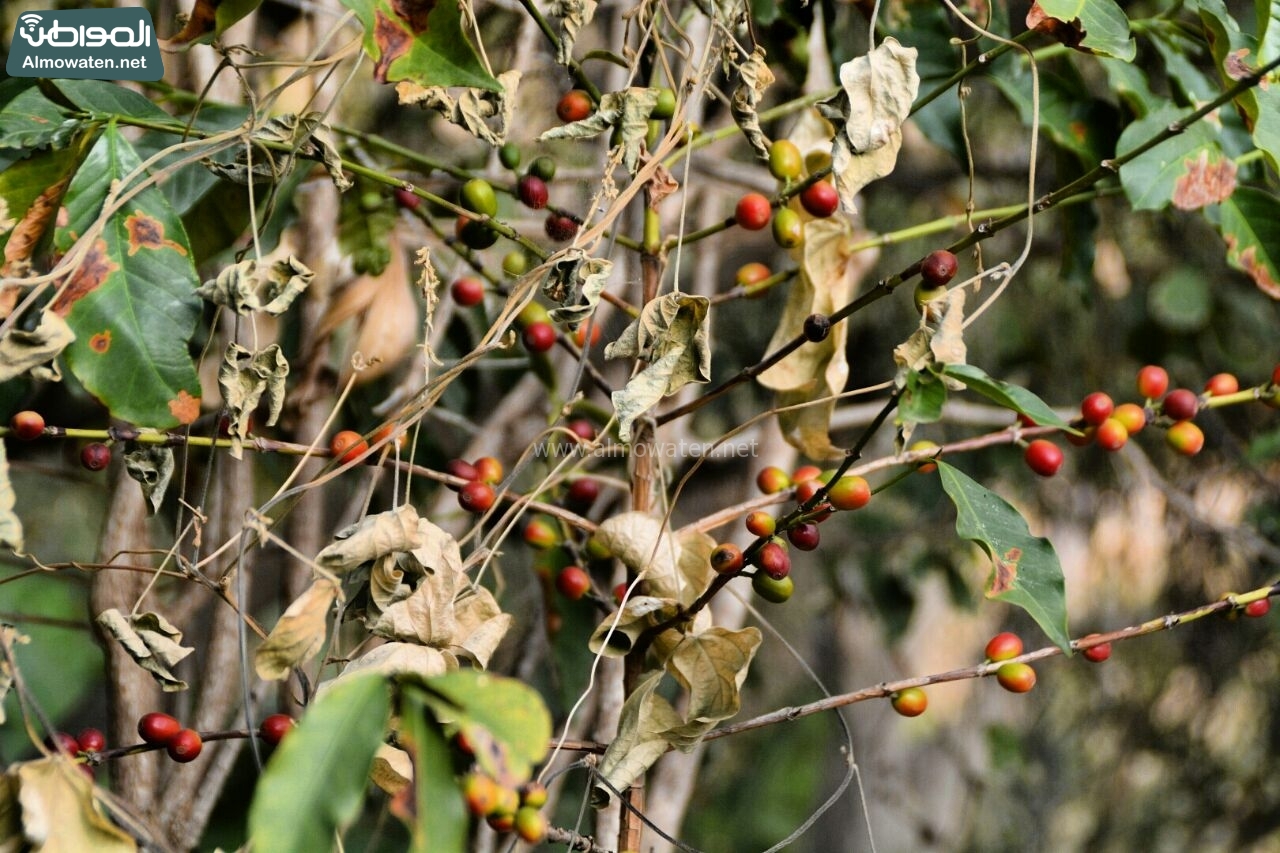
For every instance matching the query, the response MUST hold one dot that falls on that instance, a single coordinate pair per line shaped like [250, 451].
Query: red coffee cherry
[185, 746]
[1222, 384]
[1003, 646]
[1185, 437]
[574, 105]
[1153, 381]
[1096, 408]
[1044, 457]
[467, 291]
[910, 702]
[938, 268]
[1181, 404]
[753, 212]
[573, 582]
[347, 446]
[91, 740]
[27, 425]
[273, 729]
[95, 456]
[820, 199]
[1098, 653]
[476, 497]
[539, 337]
[727, 558]
[533, 192]
[158, 728]
[773, 560]
[804, 536]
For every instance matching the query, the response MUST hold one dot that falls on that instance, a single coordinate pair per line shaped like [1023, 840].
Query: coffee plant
[452, 426]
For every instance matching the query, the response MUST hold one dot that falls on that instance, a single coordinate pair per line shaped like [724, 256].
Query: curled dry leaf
[672, 336]
[372, 537]
[472, 109]
[244, 377]
[149, 464]
[392, 659]
[308, 135]
[756, 77]
[392, 769]
[22, 351]
[616, 635]
[153, 643]
[673, 567]
[830, 275]
[573, 15]
[250, 286]
[877, 91]
[627, 111]
[300, 633]
[574, 282]
[9, 637]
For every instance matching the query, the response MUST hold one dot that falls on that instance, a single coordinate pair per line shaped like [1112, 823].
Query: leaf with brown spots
[1025, 568]
[127, 292]
[1250, 226]
[1207, 180]
[210, 18]
[422, 42]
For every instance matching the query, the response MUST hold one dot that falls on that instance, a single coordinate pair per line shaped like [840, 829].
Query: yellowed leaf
[480, 625]
[60, 813]
[21, 351]
[425, 617]
[299, 634]
[473, 109]
[755, 77]
[249, 286]
[639, 742]
[640, 541]
[372, 537]
[10, 524]
[9, 637]
[616, 634]
[392, 769]
[392, 659]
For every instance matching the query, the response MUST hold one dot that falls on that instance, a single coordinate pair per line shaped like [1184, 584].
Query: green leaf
[440, 819]
[314, 783]
[210, 18]
[922, 399]
[1106, 29]
[509, 711]
[1002, 393]
[364, 234]
[102, 98]
[29, 120]
[1235, 53]
[131, 301]
[1251, 226]
[422, 43]
[1151, 181]
[1025, 571]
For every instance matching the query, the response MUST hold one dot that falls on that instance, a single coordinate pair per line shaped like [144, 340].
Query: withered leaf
[21, 351]
[249, 286]
[244, 377]
[153, 643]
[152, 466]
[299, 634]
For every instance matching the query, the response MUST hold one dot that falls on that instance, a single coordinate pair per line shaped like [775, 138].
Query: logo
[86, 44]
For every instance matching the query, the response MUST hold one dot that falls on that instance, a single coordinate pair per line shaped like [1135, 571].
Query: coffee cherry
[474, 234]
[773, 590]
[574, 105]
[1222, 384]
[849, 493]
[620, 593]
[95, 456]
[461, 469]
[1258, 609]
[1016, 677]
[63, 742]
[788, 229]
[820, 199]
[786, 163]
[816, 328]
[582, 493]
[273, 729]
[1096, 408]
[1185, 437]
[533, 793]
[467, 291]
[752, 212]
[539, 337]
[805, 473]
[406, 199]
[1133, 416]
[582, 428]
[1153, 381]
[761, 524]
[515, 263]
[938, 268]
[749, 276]
[573, 582]
[910, 702]
[347, 446]
[91, 740]
[924, 444]
[1085, 438]
[158, 728]
[27, 425]
[371, 201]
[509, 156]
[772, 480]
[580, 335]
[727, 558]
[773, 560]
[530, 824]
[1181, 404]
[532, 192]
[543, 167]
[476, 497]
[1003, 646]
[561, 228]
[1111, 435]
[477, 196]
[480, 792]
[665, 107]
[541, 534]
[804, 536]
[1098, 653]
[185, 746]
[925, 295]
[488, 470]
[1044, 457]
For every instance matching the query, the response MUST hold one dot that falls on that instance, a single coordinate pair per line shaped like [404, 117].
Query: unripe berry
[804, 536]
[509, 156]
[910, 702]
[573, 582]
[27, 425]
[773, 560]
[541, 534]
[805, 473]
[924, 467]
[1222, 384]
[786, 163]
[849, 493]
[533, 794]
[185, 746]
[273, 729]
[726, 558]
[158, 728]
[1016, 677]
[95, 456]
[665, 107]
[749, 276]
[1153, 381]
[938, 268]
[761, 524]
[1111, 434]
[480, 792]
[477, 196]
[476, 497]
[752, 212]
[1133, 416]
[1044, 457]
[773, 590]
[543, 167]
[1003, 646]
[1181, 404]
[772, 480]
[788, 228]
[530, 824]
[1096, 408]
[488, 470]
[1185, 437]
